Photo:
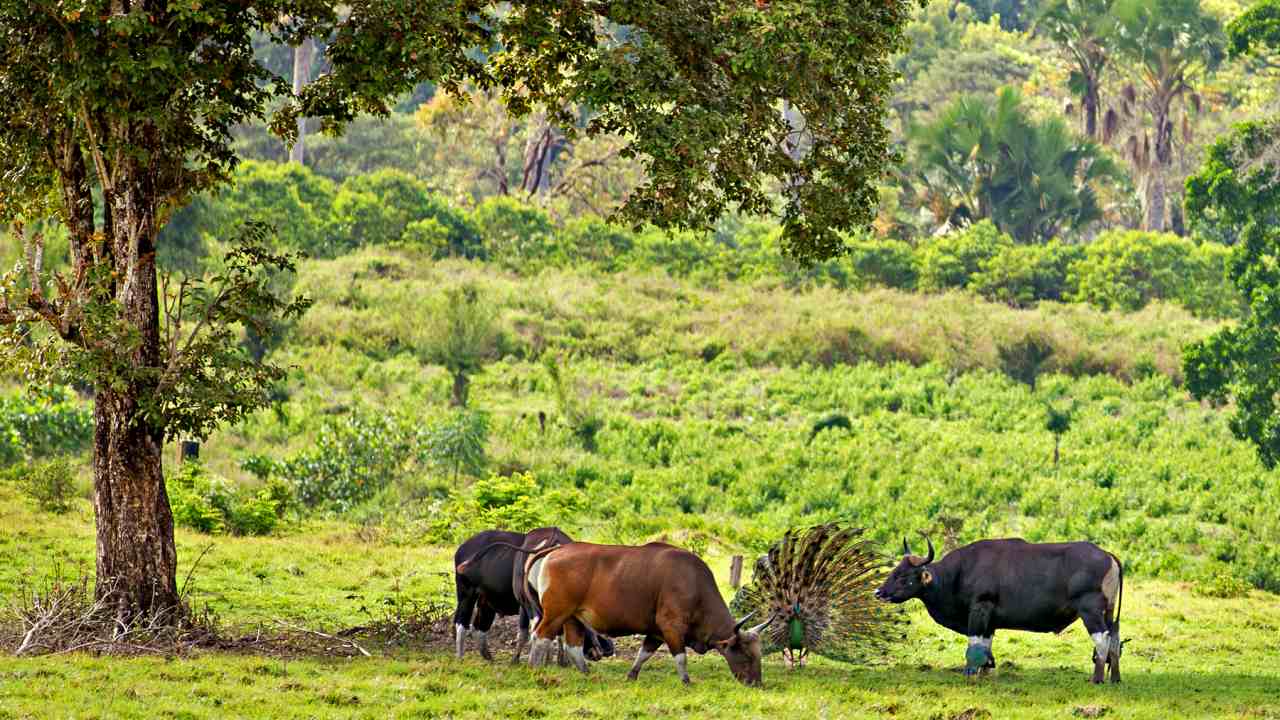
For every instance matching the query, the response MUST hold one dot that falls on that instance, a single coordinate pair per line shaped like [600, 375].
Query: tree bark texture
[136, 559]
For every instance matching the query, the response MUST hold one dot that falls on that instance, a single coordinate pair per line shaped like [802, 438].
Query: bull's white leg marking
[460, 639]
[682, 669]
[980, 641]
[576, 655]
[640, 658]
[1102, 642]
[482, 638]
[538, 652]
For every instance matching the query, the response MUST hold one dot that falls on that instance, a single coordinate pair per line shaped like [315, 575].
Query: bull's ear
[926, 577]
[725, 644]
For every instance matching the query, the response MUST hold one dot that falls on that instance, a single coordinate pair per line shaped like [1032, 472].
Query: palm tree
[1081, 28]
[1034, 179]
[1170, 45]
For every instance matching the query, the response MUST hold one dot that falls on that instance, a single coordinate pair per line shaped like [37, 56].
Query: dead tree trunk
[301, 76]
[540, 151]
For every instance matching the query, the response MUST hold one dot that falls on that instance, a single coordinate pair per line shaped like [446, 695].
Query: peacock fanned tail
[820, 582]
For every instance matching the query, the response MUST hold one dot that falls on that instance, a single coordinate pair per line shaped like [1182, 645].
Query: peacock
[818, 584]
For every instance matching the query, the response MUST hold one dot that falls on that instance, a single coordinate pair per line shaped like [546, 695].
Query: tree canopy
[117, 112]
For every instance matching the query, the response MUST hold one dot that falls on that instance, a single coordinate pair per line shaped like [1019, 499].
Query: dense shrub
[39, 423]
[951, 260]
[1022, 275]
[512, 231]
[516, 502]
[210, 504]
[352, 458]
[888, 263]
[1125, 270]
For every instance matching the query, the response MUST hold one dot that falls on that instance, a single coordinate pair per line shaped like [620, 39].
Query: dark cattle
[488, 580]
[1015, 585]
[661, 592]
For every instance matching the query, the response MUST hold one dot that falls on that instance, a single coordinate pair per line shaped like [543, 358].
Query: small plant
[578, 409]
[1024, 359]
[463, 336]
[352, 459]
[456, 445]
[209, 504]
[1057, 421]
[1222, 583]
[51, 484]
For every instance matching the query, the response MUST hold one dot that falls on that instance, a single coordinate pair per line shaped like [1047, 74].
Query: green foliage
[516, 502]
[50, 484]
[1238, 183]
[1221, 582]
[455, 445]
[1023, 275]
[462, 334]
[577, 406]
[888, 263]
[512, 229]
[1235, 192]
[981, 160]
[949, 261]
[42, 422]
[352, 458]
[1256, 30]
[1125, 270]
[210, 504]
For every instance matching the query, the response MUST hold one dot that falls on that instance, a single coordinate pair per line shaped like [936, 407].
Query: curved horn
[759, 628]
[906, 549]
[930, 543]
[743, 621]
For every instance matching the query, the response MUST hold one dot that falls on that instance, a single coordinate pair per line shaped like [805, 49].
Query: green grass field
[705, 398]
[1190, 656]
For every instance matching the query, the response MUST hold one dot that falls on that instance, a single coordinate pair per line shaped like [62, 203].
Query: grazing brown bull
[661, 592]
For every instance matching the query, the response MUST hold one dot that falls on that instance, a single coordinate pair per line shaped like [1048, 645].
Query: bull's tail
[462, 567]
[1116, 643]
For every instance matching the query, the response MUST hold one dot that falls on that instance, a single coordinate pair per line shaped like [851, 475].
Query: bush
[51, 484]
[1126, 270]
[512, 230]
[1023, 275]
[42, 422]
[1221, 582]
[352, 459]
[456, 444]
[951, 260]
[515, 503]
[888, 263]
[209, 504]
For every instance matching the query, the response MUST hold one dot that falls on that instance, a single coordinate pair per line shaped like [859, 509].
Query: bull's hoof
[633, 676]
[484, 653]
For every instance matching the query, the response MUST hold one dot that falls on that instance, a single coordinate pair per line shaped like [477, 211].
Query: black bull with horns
[1012, 584]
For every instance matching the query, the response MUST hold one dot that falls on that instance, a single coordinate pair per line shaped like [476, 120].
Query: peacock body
[818, 584]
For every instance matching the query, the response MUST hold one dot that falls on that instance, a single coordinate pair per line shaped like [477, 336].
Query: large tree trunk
[137, 560]
[1154, 219]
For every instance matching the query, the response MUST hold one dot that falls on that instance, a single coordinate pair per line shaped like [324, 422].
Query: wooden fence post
[188, 450]
[735, 571]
